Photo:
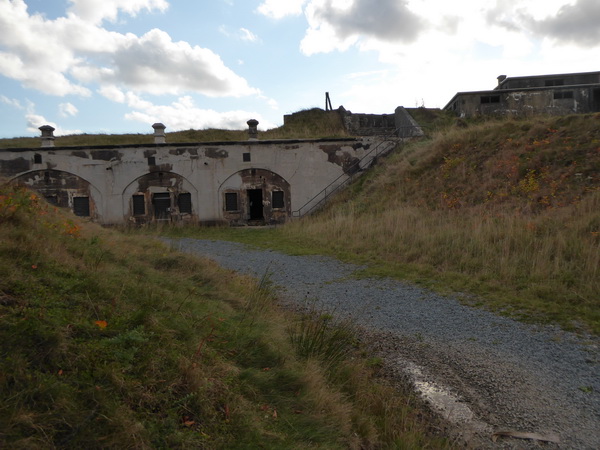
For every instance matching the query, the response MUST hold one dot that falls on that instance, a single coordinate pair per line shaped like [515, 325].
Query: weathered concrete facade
[522, 96]
[230, 182]
[400, 123]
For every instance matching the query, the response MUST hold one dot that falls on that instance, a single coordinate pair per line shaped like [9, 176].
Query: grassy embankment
[507, 210]
[308, 124]
[115, 341]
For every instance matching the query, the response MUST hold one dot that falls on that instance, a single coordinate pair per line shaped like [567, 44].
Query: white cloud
[34, 121]
[278, 9]
[11, 102]
[242, 34]
[442, 47]
[113, 93]
[95, 11]
[156, 64]
[77, 52]
[247, 35]
[32, 54]
[183, 114]
[389, 20]
[67, 109]
[567, 22]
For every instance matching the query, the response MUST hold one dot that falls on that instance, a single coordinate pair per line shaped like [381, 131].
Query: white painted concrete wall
[112, 172]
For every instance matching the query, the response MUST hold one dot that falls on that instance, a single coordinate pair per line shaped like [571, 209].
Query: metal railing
[388, 143]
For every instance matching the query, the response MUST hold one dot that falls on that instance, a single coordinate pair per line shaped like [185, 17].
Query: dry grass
[115, 341]
[506, 209]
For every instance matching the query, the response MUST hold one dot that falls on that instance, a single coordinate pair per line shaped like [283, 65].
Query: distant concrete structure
[541, 94]
[399, 124]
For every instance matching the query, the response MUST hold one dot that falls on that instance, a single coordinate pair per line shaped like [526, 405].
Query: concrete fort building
[559, 94]
[237, 183]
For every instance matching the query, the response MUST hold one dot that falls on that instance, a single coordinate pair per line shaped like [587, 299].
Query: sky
[118, 66]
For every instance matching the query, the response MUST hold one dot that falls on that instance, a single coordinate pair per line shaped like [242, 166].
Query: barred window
[277, 200]
[231, 201]
[81, 206]
[184, 202]
[139, 205]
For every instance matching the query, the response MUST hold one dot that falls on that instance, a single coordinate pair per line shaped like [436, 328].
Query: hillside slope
[115, 341]
[508, 210]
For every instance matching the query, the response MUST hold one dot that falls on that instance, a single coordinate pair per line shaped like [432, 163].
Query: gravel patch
[510, 375]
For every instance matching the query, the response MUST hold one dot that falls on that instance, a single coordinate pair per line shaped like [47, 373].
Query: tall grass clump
[116, 341]
[317, 335]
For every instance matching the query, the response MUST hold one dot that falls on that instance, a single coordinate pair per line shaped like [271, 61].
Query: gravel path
[484, 373]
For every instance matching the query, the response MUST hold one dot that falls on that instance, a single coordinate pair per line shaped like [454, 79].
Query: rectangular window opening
[184, 203]
[37, 159]
[81, 206]
[151, 161]
[139, 205]
[490, 99]
[246, 157]
[231, 201]
[562, 94]
[278, 200]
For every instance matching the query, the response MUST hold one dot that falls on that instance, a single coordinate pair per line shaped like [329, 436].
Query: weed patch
[113, 340]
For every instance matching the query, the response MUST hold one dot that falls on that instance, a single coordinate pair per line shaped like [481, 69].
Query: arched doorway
[255, 197]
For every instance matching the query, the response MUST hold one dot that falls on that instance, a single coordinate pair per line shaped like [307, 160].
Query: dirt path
[481, 372]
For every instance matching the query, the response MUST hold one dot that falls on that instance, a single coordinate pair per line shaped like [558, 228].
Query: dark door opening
[255, 204]
[161, 201]
[596, 100]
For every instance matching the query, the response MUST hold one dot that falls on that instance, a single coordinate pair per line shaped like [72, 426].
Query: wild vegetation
[112, 340]
[504, 212]
[505, 209]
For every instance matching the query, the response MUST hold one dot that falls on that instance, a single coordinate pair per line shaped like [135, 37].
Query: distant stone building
[522, 96]
[237, 183]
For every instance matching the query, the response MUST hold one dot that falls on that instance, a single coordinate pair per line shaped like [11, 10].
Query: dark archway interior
[255, 204]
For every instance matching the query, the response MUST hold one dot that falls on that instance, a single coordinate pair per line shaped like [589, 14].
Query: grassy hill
[504, 212]
[508, 210]
[110, 340]
[113, 340]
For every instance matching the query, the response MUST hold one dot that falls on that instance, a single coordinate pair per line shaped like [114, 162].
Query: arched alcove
[64, 189]
[160, 196]
[255, 197]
